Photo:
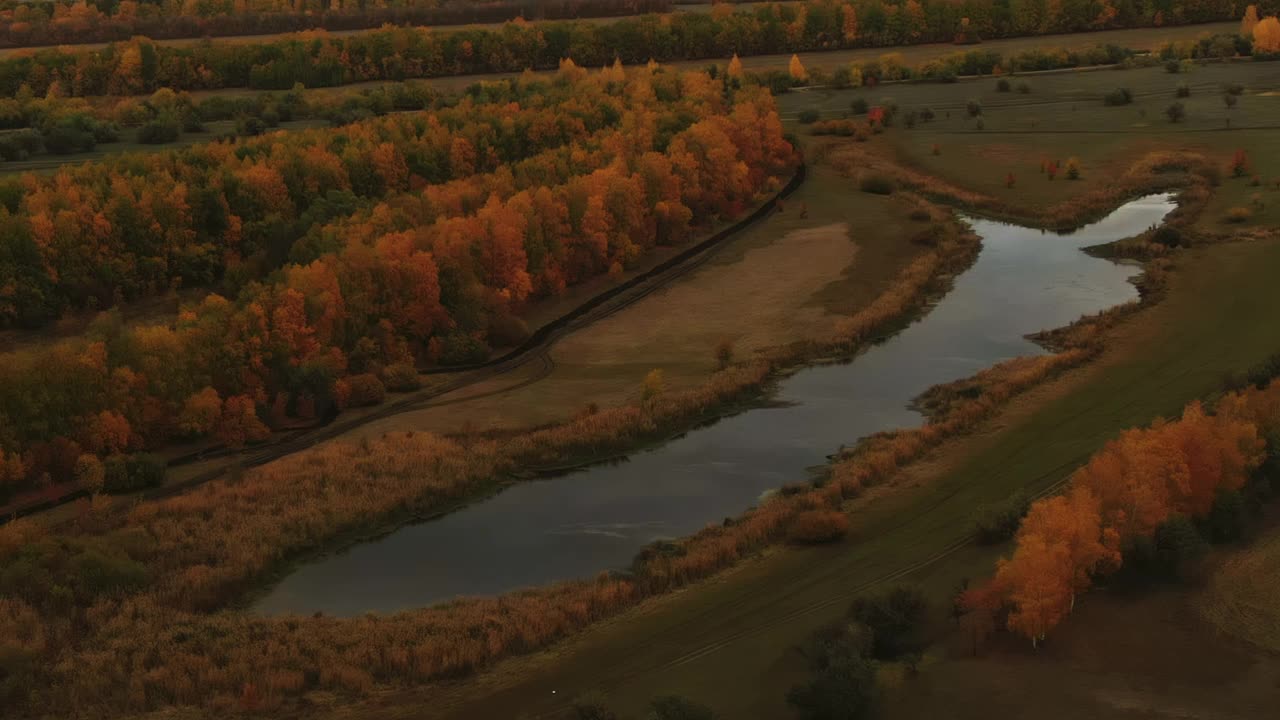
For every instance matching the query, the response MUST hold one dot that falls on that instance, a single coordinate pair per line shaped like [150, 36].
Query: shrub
[1073, 169]
[1228, 518]
[674, 707]
[365, 389]
[1119, 96]
[1024, 88]
[163, 129]
[973, 107]
[896, 619]
[859, 106]
[926, 114]
[461, 348]
[819, 526]
[400, 377]
[130, 473]
[1167, 236]
[508, 330]
[1234, 89]
[920, 215]
[1173, 67]
[724, 354]
[1230, 100]
[808, 116]
[997, 523]
[21, 144]
[1176, 112]
[1238, 214]
[876, 184]
[844, 690]
[1183, 91]
[1003, 85]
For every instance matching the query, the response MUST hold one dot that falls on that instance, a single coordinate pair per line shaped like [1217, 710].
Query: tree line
[317, 59]
[55, 23]
[406, 240]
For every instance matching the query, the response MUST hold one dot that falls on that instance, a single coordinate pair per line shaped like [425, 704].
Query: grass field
[730, 642]
[1121, 657]
[1064, 117]
[1241, 597]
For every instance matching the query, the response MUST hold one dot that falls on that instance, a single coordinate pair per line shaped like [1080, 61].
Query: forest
[316, 59]
[53, 22]
[353, 254]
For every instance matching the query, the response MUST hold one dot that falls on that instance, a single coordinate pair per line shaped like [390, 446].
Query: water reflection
[576, 525]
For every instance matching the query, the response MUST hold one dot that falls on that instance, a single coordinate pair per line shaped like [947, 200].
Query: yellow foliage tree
[735, 67]
[796, 69]
[1266, 36]
[1249, 22]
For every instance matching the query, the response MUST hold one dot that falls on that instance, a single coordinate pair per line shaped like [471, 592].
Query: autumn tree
[735, 67]
[1249, 21]
[796, 70]
[1266, 35]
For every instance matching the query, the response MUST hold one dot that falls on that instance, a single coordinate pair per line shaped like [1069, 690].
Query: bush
[130, 473]
[1235, 89]
[1003, 85]
[818, 526]
[1024, 88]
[896, 619]
[461, 348]
[997, 523]
[920, 215]
[1167, 236]
[1183, 91]
[859, 106]
[160, 131]
[21, 144]
[876, 184]
[400, 377]
[1119, 96]
[926, 114]
[808, 116]
[1230, 100]
[1173, 67]
[973, 107]
[674, 707]
[1176, 112]
[366, 389]
[1238, 215]
[845, 690]
[1228, 519]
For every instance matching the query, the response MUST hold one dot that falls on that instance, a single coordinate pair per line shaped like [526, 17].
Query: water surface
[577, 525]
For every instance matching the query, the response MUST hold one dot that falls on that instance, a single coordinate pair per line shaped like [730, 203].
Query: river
[576, 525]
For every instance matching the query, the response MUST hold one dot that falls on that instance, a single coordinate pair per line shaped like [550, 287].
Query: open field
[1064, 117]
[1121, 656]
[704, 642]
[1241, 597]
